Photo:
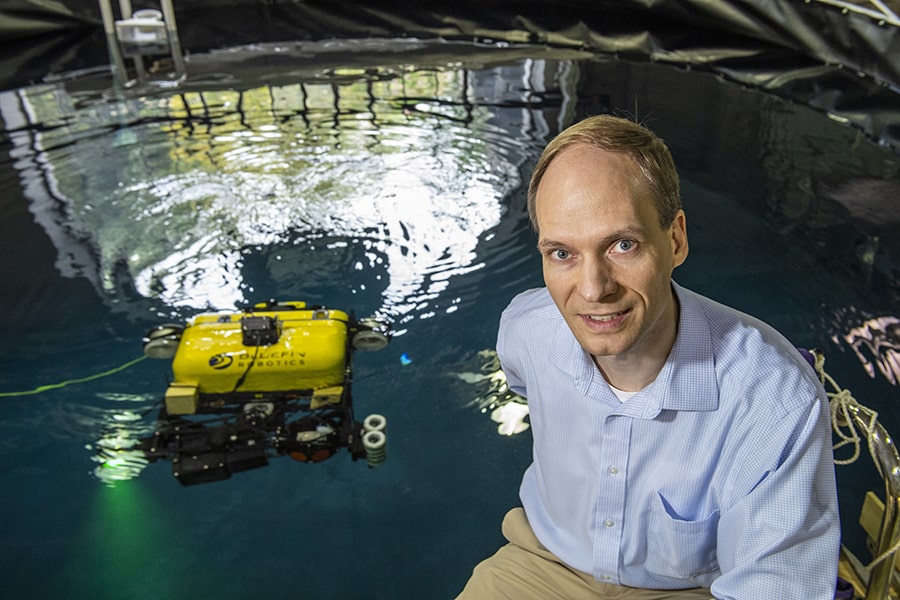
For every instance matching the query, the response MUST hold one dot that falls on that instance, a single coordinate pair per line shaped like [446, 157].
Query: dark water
[345, 179]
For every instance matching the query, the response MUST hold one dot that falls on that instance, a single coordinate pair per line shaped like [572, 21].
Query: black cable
[240, 381]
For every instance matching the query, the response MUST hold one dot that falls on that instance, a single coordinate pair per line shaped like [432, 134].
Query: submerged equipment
[271, 379]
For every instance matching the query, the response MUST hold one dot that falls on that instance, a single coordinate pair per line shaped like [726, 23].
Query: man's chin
[602, 348]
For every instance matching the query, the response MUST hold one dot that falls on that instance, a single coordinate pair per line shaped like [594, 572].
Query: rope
[62, 384]
[842, 403]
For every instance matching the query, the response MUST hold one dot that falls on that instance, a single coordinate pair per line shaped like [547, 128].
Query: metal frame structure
[167, 34]
[884, 454]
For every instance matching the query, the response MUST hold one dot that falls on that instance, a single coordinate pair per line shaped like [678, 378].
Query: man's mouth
[605, 318]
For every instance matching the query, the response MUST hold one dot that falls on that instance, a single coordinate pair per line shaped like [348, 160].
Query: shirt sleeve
[782, 538]
[509, 353]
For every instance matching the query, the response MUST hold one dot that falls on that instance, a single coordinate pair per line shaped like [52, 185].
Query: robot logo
[220, 361]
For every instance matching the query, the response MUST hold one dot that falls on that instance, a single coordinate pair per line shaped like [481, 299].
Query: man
[681, 449]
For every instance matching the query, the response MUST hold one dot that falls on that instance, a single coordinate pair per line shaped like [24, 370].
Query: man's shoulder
[530, 316]
[751, 353]
[729, 325]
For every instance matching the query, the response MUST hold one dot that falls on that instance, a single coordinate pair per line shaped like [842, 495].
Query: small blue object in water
[405, 359]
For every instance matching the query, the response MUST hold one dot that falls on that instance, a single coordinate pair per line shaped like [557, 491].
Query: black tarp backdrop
[47, 36]
[844, 63]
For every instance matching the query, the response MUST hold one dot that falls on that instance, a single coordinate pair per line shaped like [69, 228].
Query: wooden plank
[870, 520]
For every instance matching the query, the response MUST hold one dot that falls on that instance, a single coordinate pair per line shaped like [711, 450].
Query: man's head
[604, 201]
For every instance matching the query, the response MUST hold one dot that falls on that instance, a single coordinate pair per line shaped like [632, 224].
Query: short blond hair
[615, 134]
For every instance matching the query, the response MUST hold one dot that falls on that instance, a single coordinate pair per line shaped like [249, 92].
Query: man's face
[607, 262]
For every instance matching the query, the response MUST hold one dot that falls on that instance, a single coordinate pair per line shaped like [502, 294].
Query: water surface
[388, 180]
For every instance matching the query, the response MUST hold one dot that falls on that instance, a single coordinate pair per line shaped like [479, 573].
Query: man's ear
[678, 233]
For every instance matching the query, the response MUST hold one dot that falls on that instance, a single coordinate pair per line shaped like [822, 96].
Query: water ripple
[227, 174]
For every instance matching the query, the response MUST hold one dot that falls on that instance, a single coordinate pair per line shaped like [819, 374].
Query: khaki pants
[525, 570]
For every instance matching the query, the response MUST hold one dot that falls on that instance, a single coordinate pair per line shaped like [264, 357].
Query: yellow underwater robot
[271, 379]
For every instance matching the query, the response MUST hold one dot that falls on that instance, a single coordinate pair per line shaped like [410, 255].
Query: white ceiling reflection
[176, 208]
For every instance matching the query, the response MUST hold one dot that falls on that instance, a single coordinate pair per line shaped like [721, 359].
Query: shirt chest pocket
[680, 548]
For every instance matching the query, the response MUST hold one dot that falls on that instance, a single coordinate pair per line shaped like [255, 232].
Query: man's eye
[560, 254]
[624, 245]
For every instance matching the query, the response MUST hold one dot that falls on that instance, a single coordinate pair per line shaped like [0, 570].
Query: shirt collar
[689, 375]
[567, 354]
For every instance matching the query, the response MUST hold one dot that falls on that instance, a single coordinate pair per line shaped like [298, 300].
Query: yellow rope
[54, 386]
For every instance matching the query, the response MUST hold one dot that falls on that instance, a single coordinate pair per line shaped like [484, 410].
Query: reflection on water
[877, 345]
[401, 177]
[492, 395]
[116, 453]
[120, 423]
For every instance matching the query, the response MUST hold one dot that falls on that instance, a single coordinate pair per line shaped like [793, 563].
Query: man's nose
[596, 280]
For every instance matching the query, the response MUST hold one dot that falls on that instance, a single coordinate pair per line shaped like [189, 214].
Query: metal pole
[879, 587]
[174, 43]
[137, 61]
[887, 460]
[112, 42]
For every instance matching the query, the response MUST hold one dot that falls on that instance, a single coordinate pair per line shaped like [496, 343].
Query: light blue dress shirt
[718, 474]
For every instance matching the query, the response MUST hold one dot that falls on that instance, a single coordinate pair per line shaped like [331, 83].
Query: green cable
[54, 386]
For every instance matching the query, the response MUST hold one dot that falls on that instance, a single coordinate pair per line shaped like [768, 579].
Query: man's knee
[514, 573]
[485, 582]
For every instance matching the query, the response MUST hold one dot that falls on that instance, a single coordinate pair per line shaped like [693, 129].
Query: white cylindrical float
[374, 422]
[374, 439]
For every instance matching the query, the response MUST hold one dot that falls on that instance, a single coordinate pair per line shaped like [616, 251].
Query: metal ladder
[140, 34]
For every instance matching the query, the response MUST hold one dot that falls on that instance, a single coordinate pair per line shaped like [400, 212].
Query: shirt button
[609, 522]
[606, 577]
[613, 470]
